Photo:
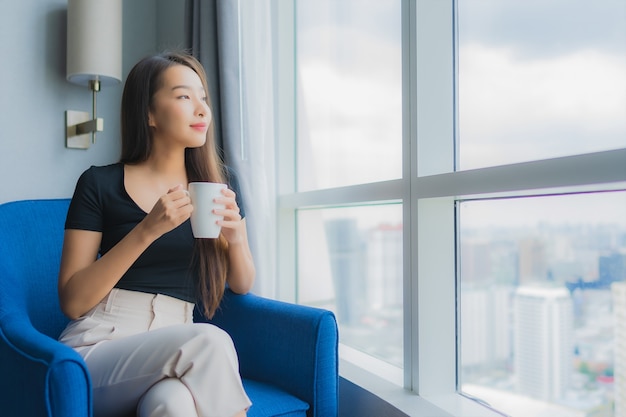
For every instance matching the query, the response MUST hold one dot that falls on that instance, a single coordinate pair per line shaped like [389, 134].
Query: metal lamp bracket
[80, 127]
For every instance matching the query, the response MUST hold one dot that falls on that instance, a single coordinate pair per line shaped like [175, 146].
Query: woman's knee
[209, 343]
[214, 333]
[198, 334]
[212, 337]
[167, 398]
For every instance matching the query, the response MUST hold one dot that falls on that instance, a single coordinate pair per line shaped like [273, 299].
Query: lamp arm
[78, 123]
[95, 124]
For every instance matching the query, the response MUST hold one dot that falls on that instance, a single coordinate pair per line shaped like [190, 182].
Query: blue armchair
[288, 353]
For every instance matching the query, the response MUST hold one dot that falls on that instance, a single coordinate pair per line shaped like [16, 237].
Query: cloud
[545, 28]
[513, 109]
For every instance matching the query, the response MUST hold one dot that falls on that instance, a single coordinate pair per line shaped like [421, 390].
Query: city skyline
[560, 254]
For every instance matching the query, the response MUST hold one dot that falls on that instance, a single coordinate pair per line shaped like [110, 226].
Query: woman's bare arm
[241, 270]
[83, 280]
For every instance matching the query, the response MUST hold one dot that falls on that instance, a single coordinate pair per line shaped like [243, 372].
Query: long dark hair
[202, 163]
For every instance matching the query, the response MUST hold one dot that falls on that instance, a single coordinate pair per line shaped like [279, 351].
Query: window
[348, 65]
[536, 323]
[350, 262]
[537, 278]
[406, 128]
[349, 92]
[540, 79]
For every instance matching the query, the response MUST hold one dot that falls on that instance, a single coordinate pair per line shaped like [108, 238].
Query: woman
[131, 270]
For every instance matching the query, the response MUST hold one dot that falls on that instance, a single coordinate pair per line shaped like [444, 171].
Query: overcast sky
[545, 27]
[540, 79]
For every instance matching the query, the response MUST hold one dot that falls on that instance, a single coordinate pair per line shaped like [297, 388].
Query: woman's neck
[166, 163]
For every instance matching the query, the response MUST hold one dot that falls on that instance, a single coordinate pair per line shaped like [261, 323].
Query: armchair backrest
[31, 239]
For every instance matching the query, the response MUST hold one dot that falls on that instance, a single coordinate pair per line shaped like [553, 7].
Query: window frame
[429, 190]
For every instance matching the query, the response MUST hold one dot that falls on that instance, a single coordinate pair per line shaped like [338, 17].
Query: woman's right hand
[169, 212]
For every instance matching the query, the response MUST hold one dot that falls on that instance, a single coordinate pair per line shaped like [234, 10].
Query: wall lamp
[94, 60]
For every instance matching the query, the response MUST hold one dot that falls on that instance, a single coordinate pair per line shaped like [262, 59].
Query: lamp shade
[94, 41]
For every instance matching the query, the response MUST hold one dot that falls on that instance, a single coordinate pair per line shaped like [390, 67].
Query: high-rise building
[618, 290]
[543, 341]
[612, 268]
[532, 261]
[346, 249]
[476, 261]
[485, 327]
[384, 266]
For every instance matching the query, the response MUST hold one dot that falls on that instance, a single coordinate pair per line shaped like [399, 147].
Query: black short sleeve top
[101, 204]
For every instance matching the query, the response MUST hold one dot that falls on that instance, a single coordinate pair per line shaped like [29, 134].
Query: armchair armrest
[41, 377]
[290, 346]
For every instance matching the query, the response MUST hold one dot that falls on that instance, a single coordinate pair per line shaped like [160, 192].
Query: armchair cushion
[268, 400]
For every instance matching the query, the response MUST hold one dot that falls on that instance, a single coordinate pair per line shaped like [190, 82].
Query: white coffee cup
[203, 220]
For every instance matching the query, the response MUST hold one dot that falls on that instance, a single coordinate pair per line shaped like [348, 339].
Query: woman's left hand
[233, 228]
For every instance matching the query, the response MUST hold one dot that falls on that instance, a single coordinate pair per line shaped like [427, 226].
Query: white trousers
[145, 353]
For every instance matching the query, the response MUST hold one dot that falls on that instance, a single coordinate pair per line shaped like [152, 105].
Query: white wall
[34, 95]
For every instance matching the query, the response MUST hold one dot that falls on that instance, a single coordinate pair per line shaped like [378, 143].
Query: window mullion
[409, 171]
[433, 225]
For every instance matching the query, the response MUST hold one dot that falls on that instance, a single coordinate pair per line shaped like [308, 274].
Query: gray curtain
[244, 117]
[212, 36]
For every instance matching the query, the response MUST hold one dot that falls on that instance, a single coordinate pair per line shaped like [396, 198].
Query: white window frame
[429, 190]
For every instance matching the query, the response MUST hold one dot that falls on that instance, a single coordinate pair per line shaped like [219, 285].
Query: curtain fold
[201, 32]
[233, 41]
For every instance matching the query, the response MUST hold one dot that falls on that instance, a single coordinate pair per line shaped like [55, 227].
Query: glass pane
[349, 92]
[542, 298]
[350, 262]
[540, 79]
